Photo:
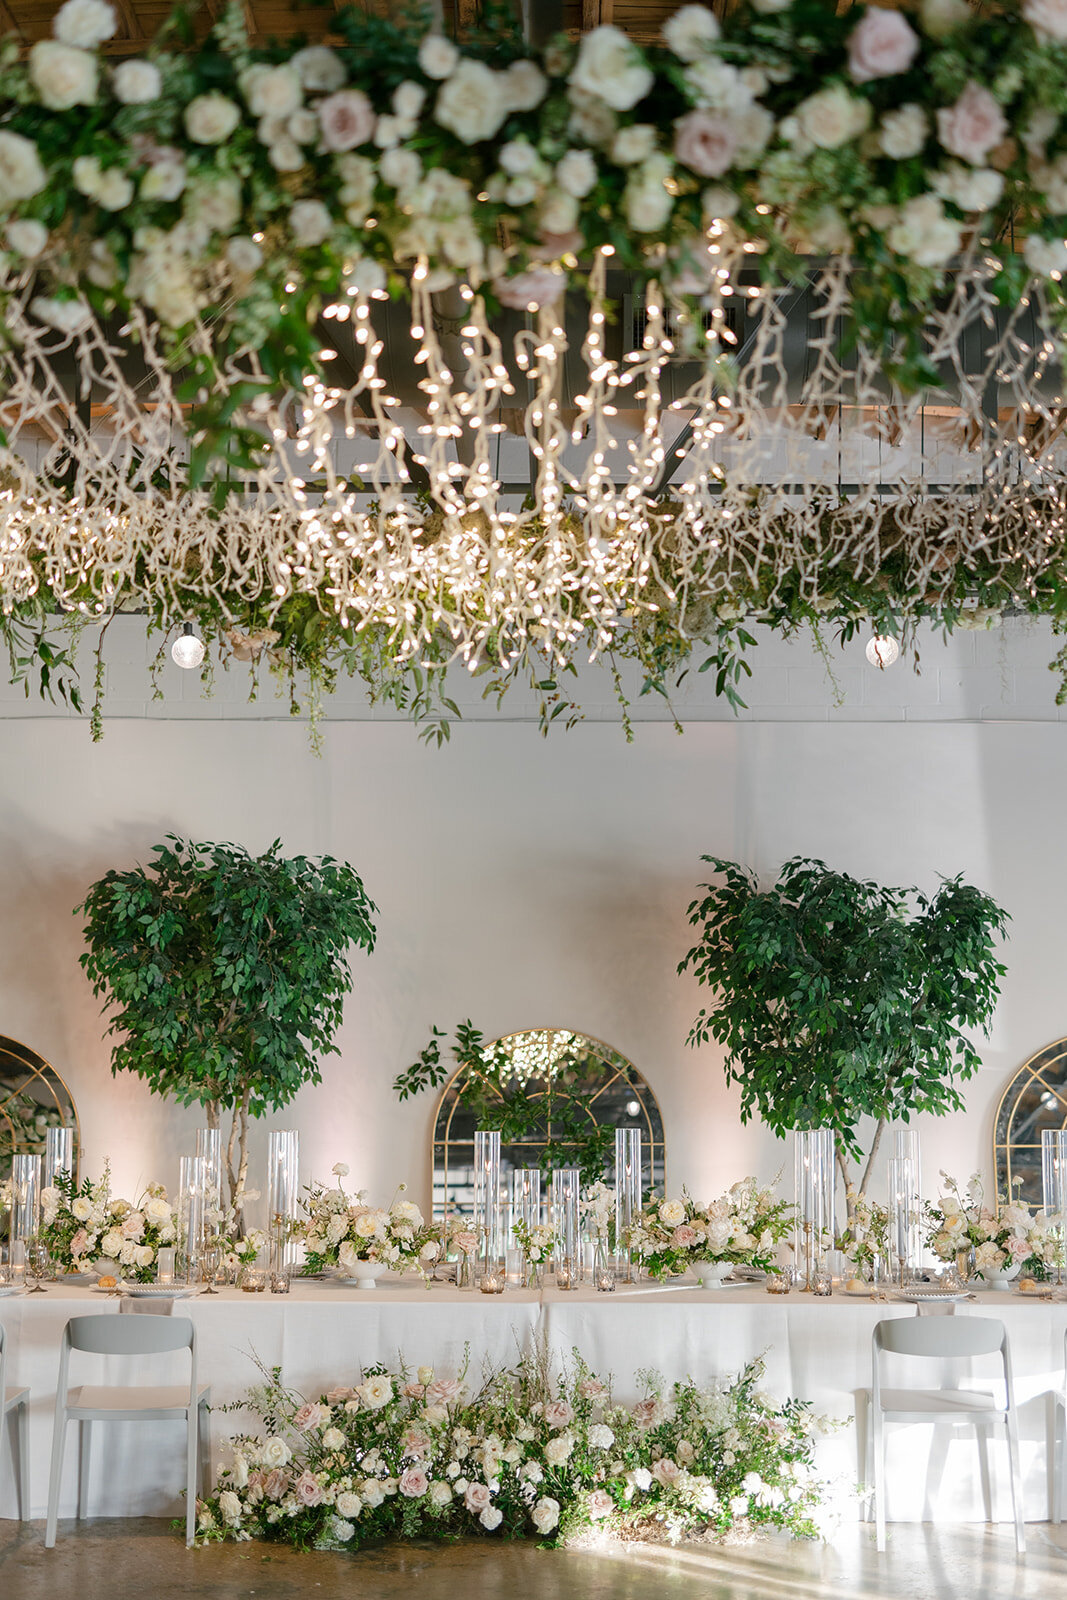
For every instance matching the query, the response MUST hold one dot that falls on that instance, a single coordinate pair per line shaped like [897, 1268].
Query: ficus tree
[839, 999]
[225, 974]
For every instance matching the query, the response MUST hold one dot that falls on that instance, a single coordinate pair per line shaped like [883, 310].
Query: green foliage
[840, 998]
[225, 973]
[491, 1091]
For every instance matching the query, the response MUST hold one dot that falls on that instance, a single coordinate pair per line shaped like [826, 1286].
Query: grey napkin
[160, 1306]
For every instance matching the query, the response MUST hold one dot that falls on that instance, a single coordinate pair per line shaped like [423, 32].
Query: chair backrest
[130, 1336]
[940, 1336]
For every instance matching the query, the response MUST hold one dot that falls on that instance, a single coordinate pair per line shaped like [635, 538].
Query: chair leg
[204, 1432]
[85, 1446]
[982, 1432]
[190, 1475]
[1012, 1428]
[1060, 1494]
[55, 1474]
[22, 1432]
[1052, 1441]
[878, 1439]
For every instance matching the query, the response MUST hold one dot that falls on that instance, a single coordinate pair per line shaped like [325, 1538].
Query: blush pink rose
[414, 1483]
[1017, 1248]
[591, 1388]
[271, 1485]
[533, 288]
[477, 1497]
[666, 1471]
[882, 45]
[443, 1390]
[973, 127]
[342, 1392]
[600, 1505]
[79, 1244]
[346, 119]
[646, 1412]
[307, 1489]
[558, 1413]
[415, 1442]
[133, 1227]
[413, 1391]
[309, 1416]
[705, 142]
[683, 1237]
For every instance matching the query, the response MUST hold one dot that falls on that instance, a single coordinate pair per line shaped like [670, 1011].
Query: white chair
[15, 1411]
[128, 1336]
[943, 1338]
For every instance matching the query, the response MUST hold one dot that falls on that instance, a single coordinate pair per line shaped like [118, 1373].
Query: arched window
[566, 1093]
[1036, 1098]
[33, 1098]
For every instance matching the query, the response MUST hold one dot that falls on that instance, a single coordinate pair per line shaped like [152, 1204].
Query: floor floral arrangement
[522, 1453]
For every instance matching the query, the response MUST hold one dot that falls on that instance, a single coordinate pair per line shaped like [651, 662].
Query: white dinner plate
[858, 1294]
[919, 1297]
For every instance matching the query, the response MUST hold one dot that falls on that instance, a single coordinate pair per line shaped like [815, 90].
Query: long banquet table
[322, 1334]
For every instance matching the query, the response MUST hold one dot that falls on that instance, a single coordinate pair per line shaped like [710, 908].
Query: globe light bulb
[882, 650]
[187, 649]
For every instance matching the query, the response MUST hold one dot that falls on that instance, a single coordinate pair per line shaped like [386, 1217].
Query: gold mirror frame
[1035, 1098]
[28, 1081]
[452, 1156]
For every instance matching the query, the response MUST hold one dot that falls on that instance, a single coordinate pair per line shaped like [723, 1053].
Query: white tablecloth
[321, 1335]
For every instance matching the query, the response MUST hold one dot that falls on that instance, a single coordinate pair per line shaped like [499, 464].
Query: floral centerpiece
[402, 1454]
[537, 1240]
[342, 1233]
[866, 1235]
[741, 1228]
[81, 1226]
[999, 1244]
[598, 1211]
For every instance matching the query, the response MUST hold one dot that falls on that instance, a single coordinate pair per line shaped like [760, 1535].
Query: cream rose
[471, 103]
[903, 132]
[311, 224]
[1048, 18]
[271, 91]
[211, 118]
[320, 71]
[348, 1504]
[972, 127]
[831, 117]
[491, 1518]
[558, 1451]
[612, 67]
[26, 237]
[137, 82]
[633, 144]
[705, 142]
[576, 174]
[63, 76]
[881, 45]
[346, 119]
[21, 173]
[274, 1452]
[545, 1514]
[690, 32]
[438, 56]
[525, 85]
[924, 234]
[376, 1392]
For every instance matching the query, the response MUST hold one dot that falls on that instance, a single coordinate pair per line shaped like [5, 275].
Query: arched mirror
[1036, 1098]
[557, 1097]
[33, 1098]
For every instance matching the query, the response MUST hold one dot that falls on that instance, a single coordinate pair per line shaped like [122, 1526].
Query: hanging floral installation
[770, 315]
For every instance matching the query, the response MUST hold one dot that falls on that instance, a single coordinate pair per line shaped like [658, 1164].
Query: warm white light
[187, 649]
[882, 650]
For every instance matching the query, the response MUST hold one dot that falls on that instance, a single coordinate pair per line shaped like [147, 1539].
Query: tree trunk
[878, 1132]
[846, 1179]
[212, 1109]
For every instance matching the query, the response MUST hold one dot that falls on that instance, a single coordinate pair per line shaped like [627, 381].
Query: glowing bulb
[882, 650]
[187, 650]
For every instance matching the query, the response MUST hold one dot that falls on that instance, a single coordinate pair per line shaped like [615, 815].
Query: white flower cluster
[742, 1226]
[341, 1231]
[1012, 1236]
[85, 1227]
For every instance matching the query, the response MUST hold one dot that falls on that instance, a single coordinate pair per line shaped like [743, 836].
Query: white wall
[522, 882]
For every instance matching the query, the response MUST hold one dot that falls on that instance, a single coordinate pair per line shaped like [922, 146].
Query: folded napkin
[160, 1306]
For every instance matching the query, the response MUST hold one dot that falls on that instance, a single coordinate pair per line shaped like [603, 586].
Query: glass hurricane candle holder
[566, 1188]
[604, 1269]
[1054, 1194]
[58, 1155]
[813, 1227]
[493, 1279]
[627, 1194]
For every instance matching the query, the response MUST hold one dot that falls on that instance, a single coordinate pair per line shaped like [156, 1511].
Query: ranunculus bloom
[346, 119]
[881, 45]
[705, 142]
[972, 127]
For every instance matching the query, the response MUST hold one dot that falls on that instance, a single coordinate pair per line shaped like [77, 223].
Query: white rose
[1045, 256]
[144, 1255]
[970, 188]
[81, 1208]
[271, 91]
[164, 181]
[21, 173]
[576, 174]
[303, 126]
[348, 1504]
[832, 116]
[924, 234]
[376, 1392]
[611, 66]
[718, 204]
[211, 118]
[672, 1212]
[318, 68]
[311, 224]
[63, 77]
[717, 85]
[491, 1518]
[440, 1494]
[84, 23]
[137, 82]
[903, 132]
[274, 1452]
[26, 237]
[559, 212]
[285, 155]
[690, 32]
[229, 1503]
[545, 1514]
[633, 144]
[525, 85]
[438, 56]
[400, 168]
[518, 156]
[471, 103]
[408, 99]
[333, 1439]
[753, 128]
[558, 1450]
[213, 203]
[158, 1210]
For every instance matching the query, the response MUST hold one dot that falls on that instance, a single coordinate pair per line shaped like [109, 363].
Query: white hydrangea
[62, 75]
[612, 67]
[244, 254]
[137, 82]
[22, 173]
[471, 102]
[903, 132]
[84, 23]
[690, 32]
[213, 202]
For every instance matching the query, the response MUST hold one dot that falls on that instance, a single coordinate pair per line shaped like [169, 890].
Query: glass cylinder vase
[209, 1149]
[905, 1241]
[487, 1209]
[283, 1193]
[813, 1222]
[58, 1155]
[627, 1194]
[566, 1190]
[1054, 1193]
[25, 1196]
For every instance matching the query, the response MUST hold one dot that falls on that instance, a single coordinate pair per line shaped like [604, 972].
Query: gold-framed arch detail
[33, 1098]
[576, 1083]
[1034, 1099]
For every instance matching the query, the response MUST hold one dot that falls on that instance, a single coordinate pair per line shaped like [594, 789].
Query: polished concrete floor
[121, 1560]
